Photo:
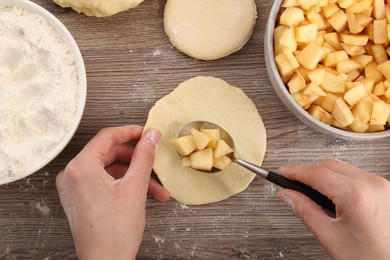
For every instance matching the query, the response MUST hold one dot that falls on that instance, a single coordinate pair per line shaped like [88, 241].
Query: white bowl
[286, 97]
[82, 87]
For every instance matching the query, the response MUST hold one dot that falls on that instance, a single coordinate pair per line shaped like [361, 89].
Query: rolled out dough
[207, 99]
[99, 8]
[209, 29]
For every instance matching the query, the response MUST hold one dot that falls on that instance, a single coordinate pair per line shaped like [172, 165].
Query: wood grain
[130, 65]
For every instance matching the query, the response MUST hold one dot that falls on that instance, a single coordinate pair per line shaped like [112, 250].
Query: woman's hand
[104, 199]
[361, 227]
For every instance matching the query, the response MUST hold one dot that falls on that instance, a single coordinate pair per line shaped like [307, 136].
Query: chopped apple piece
[352, 39]
[342, 113]
[368, 84]
[292, 16]
[315, 17]
[380, 32]
[222, 162]
[291, 58]
[358, 126]
[347, 66]
[306, 4]
[296, 83]
[375, 128]
[384, 68]
[355, 95]
[363, 20]
[202, 160]
[332, 83]
[363, 59]
[330, 9]
[284, 66]
[201, 139]
[353, 75]
[215, 135]
[345, 3]
[222, 149]
[379, 89]
[306, 33]
[321, 114]
[310, 56]
[313, 89]
[316, 76]
[184, 145]
[329, 101]
[379, 9]
[378, 114]
[378, 53]
[303, 100]
[287, 40]
[332, 58]
[353, 50]
[333, 39]
[359, 6]
[339, 21]
[373, 72]
[364, 109]
[353, 26]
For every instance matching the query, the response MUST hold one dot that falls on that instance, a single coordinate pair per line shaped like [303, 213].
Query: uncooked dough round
[206, 99]
[99, 8]
[209, 30]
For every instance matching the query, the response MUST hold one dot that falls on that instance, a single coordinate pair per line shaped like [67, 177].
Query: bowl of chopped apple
[329, 63]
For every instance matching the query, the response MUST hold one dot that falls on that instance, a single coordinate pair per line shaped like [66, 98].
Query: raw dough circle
[209, 30]
[99, 8]
[209, 99]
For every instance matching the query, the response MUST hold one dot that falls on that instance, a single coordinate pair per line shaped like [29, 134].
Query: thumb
[141, 165]
[312, 215]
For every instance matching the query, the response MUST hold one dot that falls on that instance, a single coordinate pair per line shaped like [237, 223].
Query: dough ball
[209, 29]
[99, 8]
[206, 99]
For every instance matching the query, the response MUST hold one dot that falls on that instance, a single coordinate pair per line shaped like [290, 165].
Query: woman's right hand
[361, 227]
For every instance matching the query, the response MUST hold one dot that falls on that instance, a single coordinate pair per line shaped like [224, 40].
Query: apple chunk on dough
[202, 160]
[201, 139]
[222, 149]
[184, 145]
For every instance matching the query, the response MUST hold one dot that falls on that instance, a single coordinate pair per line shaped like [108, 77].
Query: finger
[138, 174]
[117, 170]
[309, 213]
[326, 181]
[121, 153]
[346, 169]
[106, 138]
[157, 191]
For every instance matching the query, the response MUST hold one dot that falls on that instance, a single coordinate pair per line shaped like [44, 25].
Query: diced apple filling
[203, 149]
[333, 57]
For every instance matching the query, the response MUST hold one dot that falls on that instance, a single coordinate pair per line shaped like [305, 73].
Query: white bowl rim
[70, 41]
[286, 97]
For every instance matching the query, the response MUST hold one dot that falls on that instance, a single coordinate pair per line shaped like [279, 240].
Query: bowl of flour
[42, 88]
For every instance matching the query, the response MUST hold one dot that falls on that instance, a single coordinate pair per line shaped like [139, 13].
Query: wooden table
[130, 65]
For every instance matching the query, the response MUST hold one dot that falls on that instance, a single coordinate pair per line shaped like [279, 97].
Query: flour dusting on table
[38, 90]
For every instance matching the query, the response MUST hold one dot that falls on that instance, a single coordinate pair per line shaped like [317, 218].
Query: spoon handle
[283, 182]
[317, 197]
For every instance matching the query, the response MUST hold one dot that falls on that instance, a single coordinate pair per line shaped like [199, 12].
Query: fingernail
[153, 137]
[286, 199]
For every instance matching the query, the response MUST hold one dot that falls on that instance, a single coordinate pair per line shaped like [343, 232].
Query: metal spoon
[273, 177]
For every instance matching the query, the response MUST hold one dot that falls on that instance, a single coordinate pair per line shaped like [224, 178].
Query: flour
[38, 90]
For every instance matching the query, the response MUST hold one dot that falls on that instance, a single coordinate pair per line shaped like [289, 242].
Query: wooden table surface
[130, 65]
